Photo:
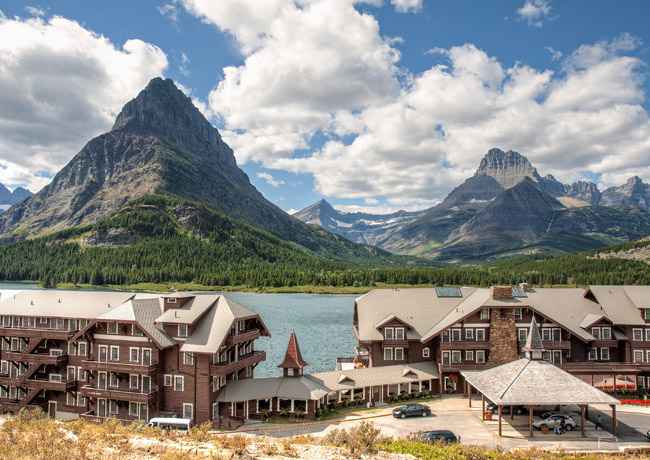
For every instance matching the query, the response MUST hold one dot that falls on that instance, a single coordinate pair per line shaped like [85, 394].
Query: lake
[323, 325]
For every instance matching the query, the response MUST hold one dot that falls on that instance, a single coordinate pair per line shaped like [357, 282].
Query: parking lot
[453, 413]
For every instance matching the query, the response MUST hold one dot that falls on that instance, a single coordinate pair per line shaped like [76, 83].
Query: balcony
[603, 367]
[57, 334]
[394, 344]
[246, 360]
[65, 385]
[123, 368]
[35, 358]
[460, 367]
[465, 345]
[243, 336]
[120, 395]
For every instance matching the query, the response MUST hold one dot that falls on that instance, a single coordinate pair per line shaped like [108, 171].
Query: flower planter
[488, 416]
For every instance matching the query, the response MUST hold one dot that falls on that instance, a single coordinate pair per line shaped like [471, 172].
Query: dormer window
[646, 313]
[399, 333]
[388, 333]
[607, 333]
[171, 300]
[136, 330]
[182, 330]
[111, 328]
[595, 331]
[484, 313]
[518, 313]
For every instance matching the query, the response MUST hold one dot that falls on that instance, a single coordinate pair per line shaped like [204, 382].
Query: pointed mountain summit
[634, 192]
[508, 168]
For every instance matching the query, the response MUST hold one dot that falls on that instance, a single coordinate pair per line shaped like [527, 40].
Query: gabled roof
[190, 312]
[293, 357]
[590, 319]
[618, 305]
[473, 302]
[389, 319]
[278, 387]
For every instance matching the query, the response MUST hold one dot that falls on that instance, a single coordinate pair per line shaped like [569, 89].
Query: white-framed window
[399, 333]
[82, 348]
[72, 351]
[56, 378]
[113, 380]
[134, 409]
[168, 380]
[70, 399]
[135, 330]
[182, 330]
[59, 324]
[215, 385]
[480, 356]
[134, 381]
[112, 407]
[547, 334]
[56, 352]
[595, 331]
[637, 335]
[72, 373]
[518, 313]
[215, 410]
[81, 374]
[640, 381]
[426, 352]
[388, 333]
[134, 354]
[456, 357]
[484, 313]
[15, 344]
[604, 353]
[179, 383]
[4, 367]
[638, 356]
[469, 355]
[81, 400]
[42, 320]
[399, 354]
[249, 371]
[73, 324]
[546, 356]
[647, 335]
[522, 334]
[480, 335]
[388, 354]
[455, 335]
[606, 333]
[188, 410]
[593, 354]
[469, 334]
[3, 392]
[111, 328]
[188, 358]
[115, 353]
[646, 313]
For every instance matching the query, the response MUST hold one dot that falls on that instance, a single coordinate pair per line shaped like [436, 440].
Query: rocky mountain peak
[634, 180]
[508, 168]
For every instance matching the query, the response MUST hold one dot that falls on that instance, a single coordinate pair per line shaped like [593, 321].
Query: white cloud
[534, 12]
[169, 11]
[407, 6]
[269, 179]
[60, 85]
[183, 68]
[555, 54]
[35, 10]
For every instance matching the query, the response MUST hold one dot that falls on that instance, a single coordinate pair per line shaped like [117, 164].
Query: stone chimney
[525, 287]
[501, 292]
[503, 337]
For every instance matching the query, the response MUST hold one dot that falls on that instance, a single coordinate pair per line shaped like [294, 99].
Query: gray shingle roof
[191, 311]
[618, 304]
[528, 382]
[280, 387]
[534, 339]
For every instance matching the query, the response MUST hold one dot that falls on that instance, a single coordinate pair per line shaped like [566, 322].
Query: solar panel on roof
[448, 292]
[518, 292]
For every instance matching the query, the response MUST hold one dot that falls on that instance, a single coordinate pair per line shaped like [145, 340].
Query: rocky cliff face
[585, 191]
[507, 168]
[634, 192]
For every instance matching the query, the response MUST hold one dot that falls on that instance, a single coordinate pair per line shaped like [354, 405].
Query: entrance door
[101, 407]
[103, 353]
[51, 409]
[144, 412]
[375, 394]
[557, 357]
[101, 381]
[146, 384]
[146, 357]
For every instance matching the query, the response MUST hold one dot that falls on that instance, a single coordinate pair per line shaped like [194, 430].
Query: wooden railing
[120, 395]
[37, 333]
[125, 368]
[246, 360]
[244, 336]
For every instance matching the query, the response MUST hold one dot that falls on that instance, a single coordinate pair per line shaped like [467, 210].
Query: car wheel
[518, 411]
[402, 416]
[568, 427]
[425, 414]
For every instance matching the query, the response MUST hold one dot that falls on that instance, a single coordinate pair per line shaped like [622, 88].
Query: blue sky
[377, 105]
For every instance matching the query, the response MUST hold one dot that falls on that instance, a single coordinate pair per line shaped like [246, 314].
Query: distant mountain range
[505, 209]
[9, 198]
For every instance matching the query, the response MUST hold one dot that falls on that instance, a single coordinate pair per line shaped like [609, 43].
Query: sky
[373, 105]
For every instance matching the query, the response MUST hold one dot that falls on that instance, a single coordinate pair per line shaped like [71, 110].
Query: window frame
[592, 355]
[607, 336]
[189, 406]
[137, 355]
[469, 334]
[399, 351]
[388, 354]
[519, 313]
[634, 356]
[168, 380]
[116, 356]
[112, 327]
[604, 354]
[182, 331]
[181, 379]
[469, 355]
[480, 332]
[522, 332]
[426, 352]
[595, 332]
[636, 331]
[388, 336]
[400, 331]
[480, 353]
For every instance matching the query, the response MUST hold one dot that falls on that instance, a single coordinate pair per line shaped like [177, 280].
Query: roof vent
[59, 300]
[32, 302]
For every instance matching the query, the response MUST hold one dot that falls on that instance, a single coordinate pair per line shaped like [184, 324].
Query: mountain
[9, 198]
[634, 192]
[356, 226]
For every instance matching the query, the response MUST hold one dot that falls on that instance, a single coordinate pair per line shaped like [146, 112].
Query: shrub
[362, 438]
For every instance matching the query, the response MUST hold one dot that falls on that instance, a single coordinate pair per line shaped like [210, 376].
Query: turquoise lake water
[323, 325]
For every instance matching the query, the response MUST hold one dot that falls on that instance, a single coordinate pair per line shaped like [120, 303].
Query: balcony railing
[36, 358]
[469, 345]
[58, 334]
[64, 385]
[243, 336]
[124, 368]
[459, 367]
[90, 417]
[246, 360]
[134, 395]
[604, 368]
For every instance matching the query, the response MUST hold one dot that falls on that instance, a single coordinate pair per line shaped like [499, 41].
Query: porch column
[500, 409]
[582, 420]
[614, 420]
[483, 413]
[512, 413]
[587, 412]
[530, 418]
[464, 386]
[470, 394]
[614, 384]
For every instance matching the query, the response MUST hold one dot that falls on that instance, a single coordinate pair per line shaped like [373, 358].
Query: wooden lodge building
[600, 335]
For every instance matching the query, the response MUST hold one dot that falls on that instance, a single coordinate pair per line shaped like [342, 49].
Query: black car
[430, 437]
[411, 410]
[518, 410]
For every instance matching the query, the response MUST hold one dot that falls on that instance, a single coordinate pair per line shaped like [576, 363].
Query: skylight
[518, 292]
[448, 292]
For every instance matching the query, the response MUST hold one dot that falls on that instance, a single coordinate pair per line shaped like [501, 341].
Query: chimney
[525, 287]
[501, 292]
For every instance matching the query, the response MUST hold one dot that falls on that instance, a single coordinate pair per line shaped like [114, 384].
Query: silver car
[549, 419]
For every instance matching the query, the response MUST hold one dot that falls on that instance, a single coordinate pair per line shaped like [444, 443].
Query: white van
[168, 423]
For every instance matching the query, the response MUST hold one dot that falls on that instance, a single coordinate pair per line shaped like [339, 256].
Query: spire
[293, 362]
[534, 345]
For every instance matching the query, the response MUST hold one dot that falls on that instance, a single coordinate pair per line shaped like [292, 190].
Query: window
[114, 381]
[3, 392]
[249, 371]
[480, 356]
[215, 410]
[82, 348]
[647, 335]
[133, 382]
[647, 360]
[71, 349]
[215, 385]
[455, 335]
[187, 410]
[70, 399]
[646, 313]
[484, 313]
[72, 324]
[72, 373]
[182, 330]
[133, 409]
[557, 335]
[399, 354]
[113, 408]
[469, 334]
[4, 367]
[638, 356]
[56, 352]
[59, 323]
[480, 335]
[595, 331]
[135, 330]
[445, 335]
[426, 352]
[171, 300]
[522, 334]
[15, 345]
[111, 328]
[637, 334]
[388, 354]
[546, 356]
[179, 383]
[399, 333]
[32, 322]
[606, 333]
[134, 355]
[168, 380]
[81, 401]
[7, 321]
[81, 374]
[388, 333]
[546, 335]
[56, 378]
[518, 314]
[469, 355]
[115, 353]
[188, 358]
[593, 354]
[640, 381]
[604, 353]
[455, 357]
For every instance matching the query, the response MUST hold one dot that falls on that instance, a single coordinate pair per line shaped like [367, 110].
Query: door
[146, 357]
[144, 412]
[103, 354]
[375, 394]
[51, 409]
[557, 357]
[101, 381]
[146, 384]
[101, 407]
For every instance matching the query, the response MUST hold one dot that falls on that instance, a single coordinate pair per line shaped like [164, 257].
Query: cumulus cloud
[534, 12]
[269, 179]
[407, 6]
[60, 85]
[170, 11]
